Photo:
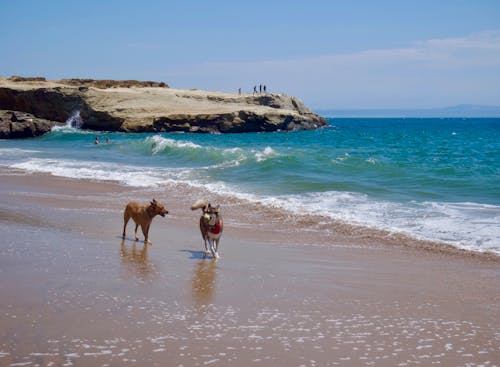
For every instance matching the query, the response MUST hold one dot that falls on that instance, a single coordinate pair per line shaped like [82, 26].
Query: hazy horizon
[457, 111]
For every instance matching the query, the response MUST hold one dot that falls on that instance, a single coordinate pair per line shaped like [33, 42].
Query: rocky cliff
[15, 125]
[132, 106]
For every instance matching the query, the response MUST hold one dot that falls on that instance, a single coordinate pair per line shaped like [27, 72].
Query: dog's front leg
[216, 246]
[145, 232]
[213, 248]
[206, 246]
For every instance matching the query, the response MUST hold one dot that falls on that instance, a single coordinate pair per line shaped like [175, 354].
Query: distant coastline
[459, 111]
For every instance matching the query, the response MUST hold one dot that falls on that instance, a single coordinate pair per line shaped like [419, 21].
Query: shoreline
[272, 222]
[75, 293]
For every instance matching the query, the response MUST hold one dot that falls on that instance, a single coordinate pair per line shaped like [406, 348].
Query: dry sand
[73, 293]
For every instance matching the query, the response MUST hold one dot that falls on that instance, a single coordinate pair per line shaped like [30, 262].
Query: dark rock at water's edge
[131, 106]
[233, 122]
[56, 106]
[17, 125]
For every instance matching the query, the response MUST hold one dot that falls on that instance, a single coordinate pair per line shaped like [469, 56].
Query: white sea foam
[16, 150]
[233, 150]
[70, 129]
[267, 153]
[469, 226]
[466, 225]
[160, 143]
[9, 156]
[127, 175]
[75, 120]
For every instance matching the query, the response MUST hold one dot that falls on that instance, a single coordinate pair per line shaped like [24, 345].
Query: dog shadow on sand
[197, 255]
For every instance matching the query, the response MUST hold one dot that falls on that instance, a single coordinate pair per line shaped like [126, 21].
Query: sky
[331, 54]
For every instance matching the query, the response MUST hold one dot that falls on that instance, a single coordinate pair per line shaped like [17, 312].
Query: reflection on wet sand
[136, 261]
[203, 282]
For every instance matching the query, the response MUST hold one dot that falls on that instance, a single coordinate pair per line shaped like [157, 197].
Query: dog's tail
[200, 204]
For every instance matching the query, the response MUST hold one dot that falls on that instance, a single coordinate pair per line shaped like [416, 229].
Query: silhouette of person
[254, 89]
[265, 90]
[260, 88]
[96, 140]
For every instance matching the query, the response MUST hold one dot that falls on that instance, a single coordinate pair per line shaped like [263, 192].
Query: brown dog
[211, 226]
[143, 216]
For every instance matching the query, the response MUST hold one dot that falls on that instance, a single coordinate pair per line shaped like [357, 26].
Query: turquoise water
[436, 179]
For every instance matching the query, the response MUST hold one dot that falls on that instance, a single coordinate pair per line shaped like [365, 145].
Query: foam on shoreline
[280, 217]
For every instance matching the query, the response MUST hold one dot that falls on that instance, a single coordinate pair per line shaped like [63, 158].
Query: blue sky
[331, 54]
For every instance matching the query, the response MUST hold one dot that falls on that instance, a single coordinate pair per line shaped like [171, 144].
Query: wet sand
[73, 293]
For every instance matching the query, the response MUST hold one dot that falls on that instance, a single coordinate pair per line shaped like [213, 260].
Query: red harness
[216, 228]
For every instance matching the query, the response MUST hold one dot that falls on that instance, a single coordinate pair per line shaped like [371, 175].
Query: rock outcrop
[132, 106]
[15, 124]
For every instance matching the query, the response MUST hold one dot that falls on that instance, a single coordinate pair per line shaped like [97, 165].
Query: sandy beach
[73, 293]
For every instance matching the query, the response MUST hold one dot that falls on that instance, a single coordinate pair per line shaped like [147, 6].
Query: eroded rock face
[235, 122]
[57, 105]
[155, 108]
[16, 125]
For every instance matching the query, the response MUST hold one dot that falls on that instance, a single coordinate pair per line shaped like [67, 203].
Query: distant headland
[458, 111]
[32, 106]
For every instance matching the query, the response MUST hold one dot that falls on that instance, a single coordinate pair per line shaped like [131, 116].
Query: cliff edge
[132, 106]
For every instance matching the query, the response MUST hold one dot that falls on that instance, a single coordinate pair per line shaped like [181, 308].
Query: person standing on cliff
[265, 90]
[254, 89]
[260, 88]
[239, 91]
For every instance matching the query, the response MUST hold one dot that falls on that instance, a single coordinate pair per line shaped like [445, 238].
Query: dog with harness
[211, 226]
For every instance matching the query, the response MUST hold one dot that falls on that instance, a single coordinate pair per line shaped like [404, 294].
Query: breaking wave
[418, 179]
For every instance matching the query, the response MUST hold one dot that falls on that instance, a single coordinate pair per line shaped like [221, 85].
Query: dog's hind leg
[136, 227]
[126, 218]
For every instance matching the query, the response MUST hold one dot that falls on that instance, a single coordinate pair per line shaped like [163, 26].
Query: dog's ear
[154, 201]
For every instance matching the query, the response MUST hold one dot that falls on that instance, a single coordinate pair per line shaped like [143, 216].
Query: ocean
[429, 179]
